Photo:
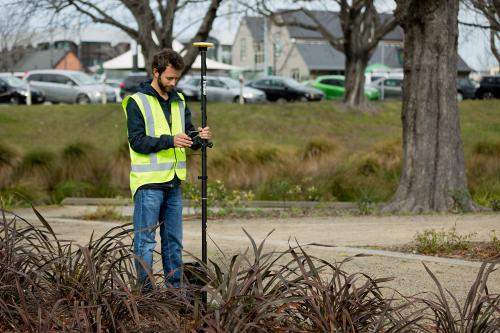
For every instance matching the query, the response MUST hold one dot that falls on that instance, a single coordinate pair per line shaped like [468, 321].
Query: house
[223, 45]
[48, 59]
[305, 54]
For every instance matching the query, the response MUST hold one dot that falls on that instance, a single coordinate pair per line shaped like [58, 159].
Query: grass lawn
[52, 127]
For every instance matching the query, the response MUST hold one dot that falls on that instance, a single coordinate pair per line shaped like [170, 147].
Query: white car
[63, 86]
[220, 88]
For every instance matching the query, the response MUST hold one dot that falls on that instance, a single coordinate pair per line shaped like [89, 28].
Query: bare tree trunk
[355, 78]
[433, 176]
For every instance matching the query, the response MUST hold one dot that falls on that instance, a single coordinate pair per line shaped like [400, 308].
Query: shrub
[495, 205]
[317, 148]
[479, 313]
[9, 160]
[50, 285]
[495, 241]
[38, 169]
[79, 162]
[105, 213]
[70, 189]
[432, 241]
[487, 148]
[119, 168]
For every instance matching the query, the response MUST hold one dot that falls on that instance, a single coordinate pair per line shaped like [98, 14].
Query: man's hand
[205, 133]
[181, 140]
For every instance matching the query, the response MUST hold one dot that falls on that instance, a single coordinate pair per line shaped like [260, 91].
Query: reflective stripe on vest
[162, 166]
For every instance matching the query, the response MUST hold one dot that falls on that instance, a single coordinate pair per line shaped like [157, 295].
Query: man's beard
[164, 89]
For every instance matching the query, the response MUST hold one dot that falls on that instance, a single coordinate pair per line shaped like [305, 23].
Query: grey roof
[327, 18]
[462, 65]
[40, 59]
[321, 56]
[324, 57]
[256, 26]
[331, 20]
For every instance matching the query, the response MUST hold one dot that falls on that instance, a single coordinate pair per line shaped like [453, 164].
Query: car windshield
[292, 83]
[13, 81]
[83, 79]
[231, 83]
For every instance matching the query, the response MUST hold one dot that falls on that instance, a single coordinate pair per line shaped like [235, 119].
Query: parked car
[14, 91]
[333, 87]
[281, 89]
[115, 85]
[489, 87]
[220, 88]
[389, 87]
[63, 86]
[131, 83]
[466, 89]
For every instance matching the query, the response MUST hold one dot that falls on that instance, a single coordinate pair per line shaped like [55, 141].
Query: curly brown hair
[166, 57]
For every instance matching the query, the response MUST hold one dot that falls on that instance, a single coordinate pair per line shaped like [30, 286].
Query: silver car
[63, 86]
[220, 88]
[389, 87]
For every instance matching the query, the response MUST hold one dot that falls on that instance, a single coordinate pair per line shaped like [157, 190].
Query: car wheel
[15, 100]
[281, 100]
[83, 99]
[237, 100]
[460, 97]
[487, 95]
[303, 99]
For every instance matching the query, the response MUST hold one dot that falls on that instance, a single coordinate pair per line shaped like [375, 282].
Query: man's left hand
[205, 133]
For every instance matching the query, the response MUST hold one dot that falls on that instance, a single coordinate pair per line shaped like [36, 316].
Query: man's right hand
[181, 140]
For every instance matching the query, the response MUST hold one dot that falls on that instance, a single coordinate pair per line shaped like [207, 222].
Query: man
[157, 122]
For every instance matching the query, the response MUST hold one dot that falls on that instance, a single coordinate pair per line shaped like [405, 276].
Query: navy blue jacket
[144, 144]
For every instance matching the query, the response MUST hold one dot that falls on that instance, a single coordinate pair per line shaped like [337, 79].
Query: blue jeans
[150, 208]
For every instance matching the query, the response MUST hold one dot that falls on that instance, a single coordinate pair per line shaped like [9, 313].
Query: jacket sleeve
[190, 127]
[139, 141]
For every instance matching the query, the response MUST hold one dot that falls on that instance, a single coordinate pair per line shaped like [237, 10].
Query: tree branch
[474, 25]
[336, 42]
[106, 19]
[202, 33]
[493, 36]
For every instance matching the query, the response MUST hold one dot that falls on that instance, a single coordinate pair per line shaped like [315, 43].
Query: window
[333, 82]
[277, 83]
[243, 49]
[61, 79]
[35, 77]
[259, 53]
[392, 83]
[263, 83]
[194, 82]
[215, 83]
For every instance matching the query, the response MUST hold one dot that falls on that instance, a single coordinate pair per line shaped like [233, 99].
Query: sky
[473, 44]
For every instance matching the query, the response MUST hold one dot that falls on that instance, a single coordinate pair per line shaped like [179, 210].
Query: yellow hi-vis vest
[162, 166]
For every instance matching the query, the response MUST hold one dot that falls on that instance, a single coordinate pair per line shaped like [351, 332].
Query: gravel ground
[348, 233]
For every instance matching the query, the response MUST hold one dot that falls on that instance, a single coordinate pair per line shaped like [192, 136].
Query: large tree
[433, 175]
[154, 20]
[362, 29]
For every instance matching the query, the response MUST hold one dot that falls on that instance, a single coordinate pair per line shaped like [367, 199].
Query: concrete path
[340, 237]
